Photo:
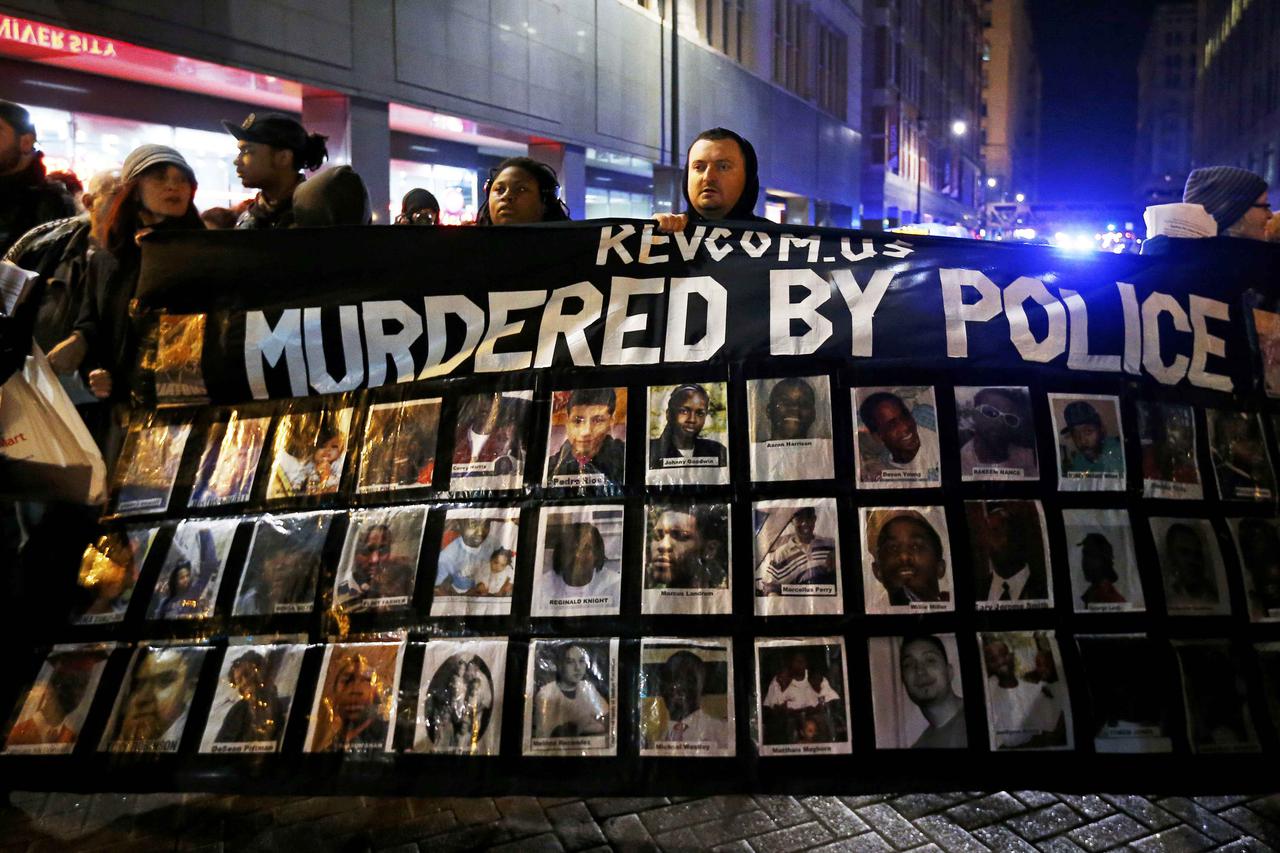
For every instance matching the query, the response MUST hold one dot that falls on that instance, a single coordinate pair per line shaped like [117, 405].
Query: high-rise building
[1237, 86]
[1010, 102]
[1166, 104]
[922, 88]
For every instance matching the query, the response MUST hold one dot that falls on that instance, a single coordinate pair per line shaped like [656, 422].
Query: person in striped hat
[1236, 199]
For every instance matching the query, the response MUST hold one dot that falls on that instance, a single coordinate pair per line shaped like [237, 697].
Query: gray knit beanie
[145, 156]
[1225, 191]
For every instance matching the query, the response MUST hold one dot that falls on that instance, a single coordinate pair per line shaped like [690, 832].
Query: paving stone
[912, 806]
[1218, 803]
[473, 810]
[523, 815]
[548, 802]
[999, 837]
[730, 804]
[896, 830]
[575, 826]
[864, 800]
[679, 840]
[1089, 805]
[467, 838]
[835, 815]
[738, 846]
[1061, 844]
[401, 848]
[677, 815]
[926, 848]
[315, 807]
[792, 838]
[603, 807]
[732, 827]
[986, 810]
[1142, 809]
[948, 835]
[423, 806]
[1180, 839]
[545, 843]
[867, 842]
[31, 802]
[1268, 807]
[785, 811]
[626, 832]
[414, 829]
[1034, 799]
[1254, 824]
[1245, 845]
[1108, 832]
[1201, 818]
[1044, 822]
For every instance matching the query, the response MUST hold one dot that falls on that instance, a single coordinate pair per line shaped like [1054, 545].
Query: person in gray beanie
[1235, 198]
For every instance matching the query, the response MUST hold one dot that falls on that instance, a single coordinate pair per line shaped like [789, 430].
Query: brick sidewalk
[956, 823]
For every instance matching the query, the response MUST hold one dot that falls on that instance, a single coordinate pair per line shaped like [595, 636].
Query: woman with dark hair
[156, 194]
[521, 191]
[178, 598]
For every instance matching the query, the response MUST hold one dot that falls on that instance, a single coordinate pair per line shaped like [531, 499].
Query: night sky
[1088, 54]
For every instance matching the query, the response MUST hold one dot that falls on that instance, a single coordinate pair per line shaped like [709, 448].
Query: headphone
[545, 176]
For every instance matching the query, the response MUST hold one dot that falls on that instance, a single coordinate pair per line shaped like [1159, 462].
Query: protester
[27, 197]
[336, 196]
[157, 194]
[72, 186]
[521, 191]
[274, 150]
[1235, 198]
[721, 180]
[218, 218]
[419, 207]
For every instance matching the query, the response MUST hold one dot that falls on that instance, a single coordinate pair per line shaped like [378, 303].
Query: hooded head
[1229, 195]
[743, 208]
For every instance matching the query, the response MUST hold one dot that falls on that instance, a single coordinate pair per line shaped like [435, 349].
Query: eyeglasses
[424, 216]
[1265, 206]
[988, 411]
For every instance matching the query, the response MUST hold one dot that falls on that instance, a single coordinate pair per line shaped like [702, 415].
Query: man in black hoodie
[26, 198]
[721, 181]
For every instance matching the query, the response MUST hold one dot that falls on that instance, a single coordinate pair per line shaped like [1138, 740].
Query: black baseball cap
[274, 129]
[17, 117]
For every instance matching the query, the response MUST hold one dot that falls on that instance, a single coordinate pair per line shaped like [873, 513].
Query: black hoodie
[744, 210]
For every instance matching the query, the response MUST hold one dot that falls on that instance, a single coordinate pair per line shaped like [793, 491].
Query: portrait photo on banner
[896, 437]
[1101, 561]
[355, 705]
[1191, 567]
[802, 686]
[379, 562]
[399, 446]
[1130, 680]
[251, 705]
[906, 560]
[1241, 461]
[49, 716]
[188, 582]
[229, 461]
[587, 438]
[1028, 706]
[476, 568]
[797, 557]
[686, 697]
[577, 568]
[147, 466]
[151, 709]
[283, 564]
[460, 697]
[1090, 442]
[687, 558]
[1258, 546]
[571, 696]
[1167, 433]
[789, 428]
[688, 429]
[490, 441]
[997, 434]
[109, 571]
[1216, 697]
[916, 692]
[309, 452]
[1009, 549]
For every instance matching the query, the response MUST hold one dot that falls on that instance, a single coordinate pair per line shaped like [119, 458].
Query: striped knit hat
[1225, 191]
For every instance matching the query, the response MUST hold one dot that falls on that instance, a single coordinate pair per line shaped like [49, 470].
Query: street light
[991, 183]
[1019, 198]
[958, 128]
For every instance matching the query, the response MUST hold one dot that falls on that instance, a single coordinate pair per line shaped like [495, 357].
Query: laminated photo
[571, 692]
[1241, 462]
[997, 433]
[1009, 547]
[905, 559]
[355, 704]
[1090, 442]
[1128, 676]
[490, 441]
[686, 697]
[148, 465]
[476, 569]
[916, 692]
[179, 351]
[49, 717]
[797, 557]
[578, 565]
[109, 570]
[1101, 561]
[460, 695]
[1258, 545]
[802, 686]
[256, 686]
[283, 563]
[399, 446]
[309, 453]
[1028, 707]
[789, 426]
[187, 586]
[379, 562]
[686, 559]
[1167, 433]
[1195, 581]
[688, 434]
[229, 462]
[151, 709]
[587, 442]
[896, 438]
[1266, 324]
[1216, 698]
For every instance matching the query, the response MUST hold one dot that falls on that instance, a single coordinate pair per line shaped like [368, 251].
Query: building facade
[922, 98]
[1237, 87]
[435, 94]
[1010, 102]
[1166, 104]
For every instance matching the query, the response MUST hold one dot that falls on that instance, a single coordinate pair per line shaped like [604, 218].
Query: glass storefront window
[454, 188]
[617, 204]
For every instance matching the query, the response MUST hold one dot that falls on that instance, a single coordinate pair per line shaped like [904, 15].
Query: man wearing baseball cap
[27, 199]
[1090, 450]
[274, 149]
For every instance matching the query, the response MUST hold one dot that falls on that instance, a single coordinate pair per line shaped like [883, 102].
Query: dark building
[1166, 104]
